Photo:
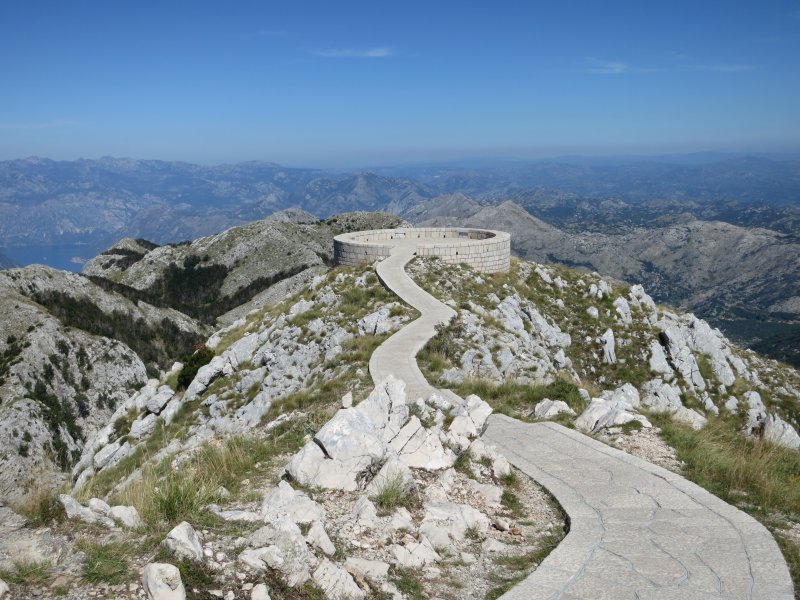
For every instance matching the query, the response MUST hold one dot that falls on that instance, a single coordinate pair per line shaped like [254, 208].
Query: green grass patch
[41, 507]
[518, 400]
[393, 494]
[516, 567]
[463, 464]
[756, 475]
[631, 426]
[408, 582]
[512, 502]
[106, 563]
[27, 573]
[791, 552]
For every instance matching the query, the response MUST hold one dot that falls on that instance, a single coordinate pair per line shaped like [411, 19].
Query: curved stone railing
[484, 250]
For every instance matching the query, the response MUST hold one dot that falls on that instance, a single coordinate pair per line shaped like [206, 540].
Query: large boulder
[280, 545]
[127, 516]
[74, 510]
[353, 442]
[659, 396]
[548, 409]
[184, 543]
[681, 356]
[603, 414]
[162, 581]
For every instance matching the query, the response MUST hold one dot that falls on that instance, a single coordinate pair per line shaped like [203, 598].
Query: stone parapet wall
[484, 250]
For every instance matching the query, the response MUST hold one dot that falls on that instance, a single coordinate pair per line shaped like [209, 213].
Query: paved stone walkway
[636, 530]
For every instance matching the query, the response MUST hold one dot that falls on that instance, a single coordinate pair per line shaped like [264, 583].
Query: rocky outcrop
[354, 445]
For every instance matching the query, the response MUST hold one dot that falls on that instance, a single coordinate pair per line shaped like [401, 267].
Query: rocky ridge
[604, 352]
[280, 470]
[719, 270]
[456, 513]
[60, 383]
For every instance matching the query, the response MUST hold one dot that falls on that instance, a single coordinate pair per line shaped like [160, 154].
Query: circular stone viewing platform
[482, 249]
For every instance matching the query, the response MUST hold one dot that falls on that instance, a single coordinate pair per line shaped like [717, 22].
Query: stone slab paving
[397, 355]
[637, 531]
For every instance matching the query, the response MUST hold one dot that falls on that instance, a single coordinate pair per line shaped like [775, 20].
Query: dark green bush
[192, 364]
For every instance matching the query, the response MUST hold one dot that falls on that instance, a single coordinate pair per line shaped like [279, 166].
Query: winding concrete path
[636, 530]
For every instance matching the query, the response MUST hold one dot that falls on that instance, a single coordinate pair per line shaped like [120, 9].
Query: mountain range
[716, 235]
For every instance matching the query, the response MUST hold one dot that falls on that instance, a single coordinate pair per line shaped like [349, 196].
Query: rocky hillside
[746, 279]
[69, 354]
[74, 347]
[231, 271]
[269, 466]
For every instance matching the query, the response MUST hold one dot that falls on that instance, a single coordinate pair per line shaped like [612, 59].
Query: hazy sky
[343, 83]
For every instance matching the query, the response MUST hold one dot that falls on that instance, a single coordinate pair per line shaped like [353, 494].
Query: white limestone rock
[377, 323]
[318, 538]
[425, 451]
[393, 472]
[470, 417]
[490, 494]
[311, 467]
[74, 510]
[659, 396]
[205, 375]
[347, 400]
[548, 409]
[543, 274]
[550, 333]
[259, 592]
[609, 347]
[158, 401]
[104, 455]
[779, 432]
[603, 414]
[658, 361]
[99, 506]
[184, 543]
[243, 516]
[714, 346]
[454, 518]
[336, 583]
[280, 545]
[364, 513]
[371, 570]
[402, 520]
[593, 312]
[413, 555]
[143, 426]
[681, 356]
[623, 310]
[691, 417]
[291, 503]
[127, 516]
[162, 581]
[625, 393]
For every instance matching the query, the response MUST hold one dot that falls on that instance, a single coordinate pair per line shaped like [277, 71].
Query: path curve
[636, 530]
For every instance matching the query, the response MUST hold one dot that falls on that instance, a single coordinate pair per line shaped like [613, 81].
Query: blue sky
[355, 83]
